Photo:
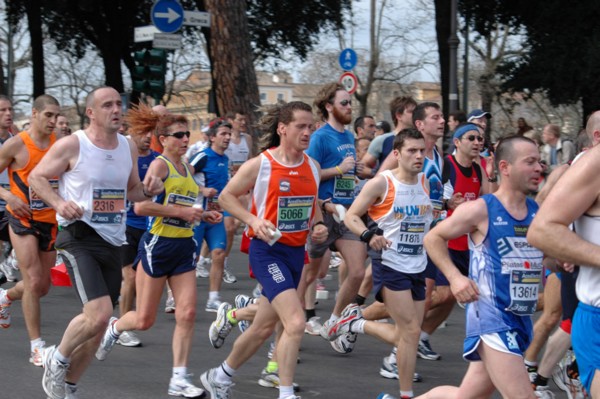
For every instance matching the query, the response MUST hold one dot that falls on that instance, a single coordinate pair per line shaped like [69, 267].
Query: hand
[360, 167]
[464, 289]
[153, 185]
[69, 210]
[327, 206]
[455, 200]
[212, 217]
[347, 164]
[379, 242]
[191, 214]
[490, 167]
[565, 266]
[209, 192]
[261, 229]
[19, 208]
[319, 234]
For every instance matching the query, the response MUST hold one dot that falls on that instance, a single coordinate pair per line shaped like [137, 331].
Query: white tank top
[238, 153]
[588, 281]
[404, 215]
[98, 183]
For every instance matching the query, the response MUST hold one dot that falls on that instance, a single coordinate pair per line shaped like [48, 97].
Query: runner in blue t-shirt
[211, 172]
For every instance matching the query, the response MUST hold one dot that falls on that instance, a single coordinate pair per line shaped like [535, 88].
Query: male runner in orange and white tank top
[32, 222]
[285, 182]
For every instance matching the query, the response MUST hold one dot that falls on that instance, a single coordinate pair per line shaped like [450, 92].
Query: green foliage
[563, 56]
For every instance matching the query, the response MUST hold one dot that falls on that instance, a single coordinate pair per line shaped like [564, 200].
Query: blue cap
[478, 113]
[464, 128]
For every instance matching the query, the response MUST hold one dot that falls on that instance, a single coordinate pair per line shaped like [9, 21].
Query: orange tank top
[19, 186]
[286, 196]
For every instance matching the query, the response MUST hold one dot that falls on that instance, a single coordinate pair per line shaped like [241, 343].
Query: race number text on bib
[35, 202]
[108, 205]
[293, 213]
[178, 200]
[343, 187]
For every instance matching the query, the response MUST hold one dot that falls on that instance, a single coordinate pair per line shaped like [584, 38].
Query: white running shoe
[313, 326]
[228, 277]
[202, 271]
[9, 271]
[36, 355]
[221, 327]
[4, 310]
[217, 390]
[182, 386]
[170, 304]
[55, 372]
[212, 305]
[271, 380]
[108, 341]
[129, 338]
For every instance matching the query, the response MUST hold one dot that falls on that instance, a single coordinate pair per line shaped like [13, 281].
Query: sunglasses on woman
[179, 135]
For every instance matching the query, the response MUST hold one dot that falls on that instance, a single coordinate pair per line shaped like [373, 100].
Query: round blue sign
[167, 15]
[348, 59]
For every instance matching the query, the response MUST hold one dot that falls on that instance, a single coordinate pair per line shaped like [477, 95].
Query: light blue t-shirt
[329, 147]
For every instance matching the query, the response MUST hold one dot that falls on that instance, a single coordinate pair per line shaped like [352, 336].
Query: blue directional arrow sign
[348, 59]
[167, 15]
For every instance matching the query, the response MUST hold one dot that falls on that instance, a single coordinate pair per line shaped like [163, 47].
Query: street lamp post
[453, 45]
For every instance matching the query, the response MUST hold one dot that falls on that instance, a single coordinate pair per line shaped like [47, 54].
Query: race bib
[524, 286]
[35, 202]
[409, 240]
[293, 213]
[178, 200]
[108, 206]
[212, 204]
[343, 187]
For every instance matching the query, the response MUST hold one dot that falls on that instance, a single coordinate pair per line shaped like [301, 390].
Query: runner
[283, 214]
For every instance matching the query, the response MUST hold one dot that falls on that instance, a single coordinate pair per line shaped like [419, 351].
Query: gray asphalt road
[143, 373]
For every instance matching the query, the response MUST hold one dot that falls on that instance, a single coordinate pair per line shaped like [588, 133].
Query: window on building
[280, 97]
[263, 96]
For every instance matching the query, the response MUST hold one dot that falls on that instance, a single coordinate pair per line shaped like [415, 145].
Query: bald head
[592, 128]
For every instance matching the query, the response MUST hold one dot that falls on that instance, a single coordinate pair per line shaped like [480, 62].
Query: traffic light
[149, 72]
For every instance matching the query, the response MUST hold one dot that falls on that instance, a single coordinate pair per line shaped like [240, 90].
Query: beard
[342, 117]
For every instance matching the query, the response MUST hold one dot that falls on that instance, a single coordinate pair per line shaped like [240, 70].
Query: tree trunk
[34, 19]
[233, 71]
[442, 29]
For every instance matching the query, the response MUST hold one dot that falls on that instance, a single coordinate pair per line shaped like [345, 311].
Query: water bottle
[198, 204]
[384, 395]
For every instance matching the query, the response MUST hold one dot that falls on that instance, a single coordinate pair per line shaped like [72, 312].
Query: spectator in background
[556, 151]
[455, 118]
[62, 127]
[382, 127]
[364, 127]
[523, 129]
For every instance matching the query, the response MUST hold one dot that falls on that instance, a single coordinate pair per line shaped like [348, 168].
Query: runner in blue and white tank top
[505, 271]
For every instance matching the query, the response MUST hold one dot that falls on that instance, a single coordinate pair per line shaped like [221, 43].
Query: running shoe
[335, 261]
[182, 386]
[71, 391]
[9, 271]
[320, 286]
[313, 326]
[531, 372]
[257, 291]
[4, 310]
[55, 372]
[342, 325]
[170, 304]
[217, 390]
[344, 343]
[544, 392]
[228, 277]
[212, 305]
[108, 341]
[129, 338]
[221, 327]
[424, 351]
[202, 271]
[390, 370]
[242, 301]
[271, 380]
[36, 355]
[566, 377]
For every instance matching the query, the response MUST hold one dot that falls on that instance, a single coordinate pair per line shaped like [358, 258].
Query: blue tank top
[433, 172]
[215, 169]
[329, 147]
[507, 271]
[134, 220]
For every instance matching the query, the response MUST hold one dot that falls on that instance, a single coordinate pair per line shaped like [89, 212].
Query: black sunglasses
[472, 138]
[343, 103]
[178, 135]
